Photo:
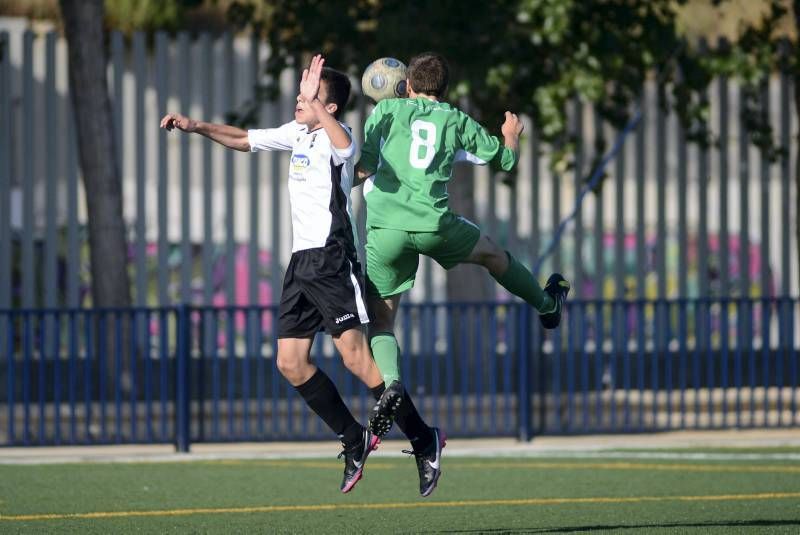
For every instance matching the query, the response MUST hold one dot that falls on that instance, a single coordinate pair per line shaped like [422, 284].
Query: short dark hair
[429, 74]
[338, 85]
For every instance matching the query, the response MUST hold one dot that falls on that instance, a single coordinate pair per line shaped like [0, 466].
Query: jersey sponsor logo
[299, 164]
[346, 317]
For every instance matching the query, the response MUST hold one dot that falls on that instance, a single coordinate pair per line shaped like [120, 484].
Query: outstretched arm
[229, 136]
[482, 148]
[309, 91]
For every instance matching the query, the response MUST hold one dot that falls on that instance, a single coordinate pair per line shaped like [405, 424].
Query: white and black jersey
[320, 179]
[323, 282]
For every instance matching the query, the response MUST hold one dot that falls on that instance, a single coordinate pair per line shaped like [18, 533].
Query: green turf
[737, 450]
[475, 495]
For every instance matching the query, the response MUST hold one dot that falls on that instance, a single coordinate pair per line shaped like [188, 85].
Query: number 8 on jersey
[423, 144]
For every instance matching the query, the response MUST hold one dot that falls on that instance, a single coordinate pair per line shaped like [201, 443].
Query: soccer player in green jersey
[407, 159]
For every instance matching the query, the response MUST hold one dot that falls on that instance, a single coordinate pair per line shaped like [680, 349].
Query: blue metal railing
[186, 374]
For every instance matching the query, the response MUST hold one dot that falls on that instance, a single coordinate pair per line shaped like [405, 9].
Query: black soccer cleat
[385, 409]
[558, 288]
[429, 462]
[354, 458]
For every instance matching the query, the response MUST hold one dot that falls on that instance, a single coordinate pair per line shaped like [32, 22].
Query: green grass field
[754, 494]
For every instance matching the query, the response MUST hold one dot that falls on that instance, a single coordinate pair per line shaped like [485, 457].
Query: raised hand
[181, 122]
[309, 83]
[512, 125]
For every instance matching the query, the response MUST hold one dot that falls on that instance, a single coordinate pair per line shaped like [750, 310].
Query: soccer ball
[384, 78]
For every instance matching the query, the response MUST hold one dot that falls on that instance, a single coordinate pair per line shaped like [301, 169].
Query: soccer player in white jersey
[323, 284]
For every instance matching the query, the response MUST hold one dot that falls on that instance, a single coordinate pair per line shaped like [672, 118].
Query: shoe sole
[373, 445]
[380, 423]
[442, 444]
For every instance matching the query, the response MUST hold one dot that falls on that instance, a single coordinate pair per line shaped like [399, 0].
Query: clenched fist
[512, 125]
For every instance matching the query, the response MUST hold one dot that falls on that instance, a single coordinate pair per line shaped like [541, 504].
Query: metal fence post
[524, 397]
[182, 398]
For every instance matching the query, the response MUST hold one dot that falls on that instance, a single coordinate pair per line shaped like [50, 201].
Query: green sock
[386, 353]
[521, 282]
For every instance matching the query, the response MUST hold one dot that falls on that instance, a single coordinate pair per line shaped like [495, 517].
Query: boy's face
[304, 113]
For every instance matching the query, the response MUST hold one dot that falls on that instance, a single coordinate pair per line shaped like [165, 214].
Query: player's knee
[491, 261]
[351, 356]
[493, 257]
[356, 359]
[290, 367]
[498, 262]
[486, 253]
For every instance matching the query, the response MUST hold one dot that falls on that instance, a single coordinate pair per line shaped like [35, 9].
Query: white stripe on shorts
[360, 305]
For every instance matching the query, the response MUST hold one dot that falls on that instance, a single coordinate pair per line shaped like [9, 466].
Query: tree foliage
[760, 51]
[147, 15]
[532, 56]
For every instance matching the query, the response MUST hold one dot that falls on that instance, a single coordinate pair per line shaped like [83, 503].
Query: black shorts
[322, 288]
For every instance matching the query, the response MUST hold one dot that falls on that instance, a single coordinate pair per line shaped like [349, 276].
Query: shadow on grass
[578, 529]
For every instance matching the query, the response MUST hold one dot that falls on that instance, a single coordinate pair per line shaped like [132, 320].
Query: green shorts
[393, 255]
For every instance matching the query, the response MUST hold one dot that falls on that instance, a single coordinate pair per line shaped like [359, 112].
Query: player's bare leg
[489, 255]
[518, 280]
[353, 346]
[321, 395]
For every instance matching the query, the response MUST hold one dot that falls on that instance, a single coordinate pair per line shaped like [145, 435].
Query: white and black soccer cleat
[429, 462]
[354, 458]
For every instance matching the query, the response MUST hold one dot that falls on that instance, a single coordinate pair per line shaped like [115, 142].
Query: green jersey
[411, 145]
